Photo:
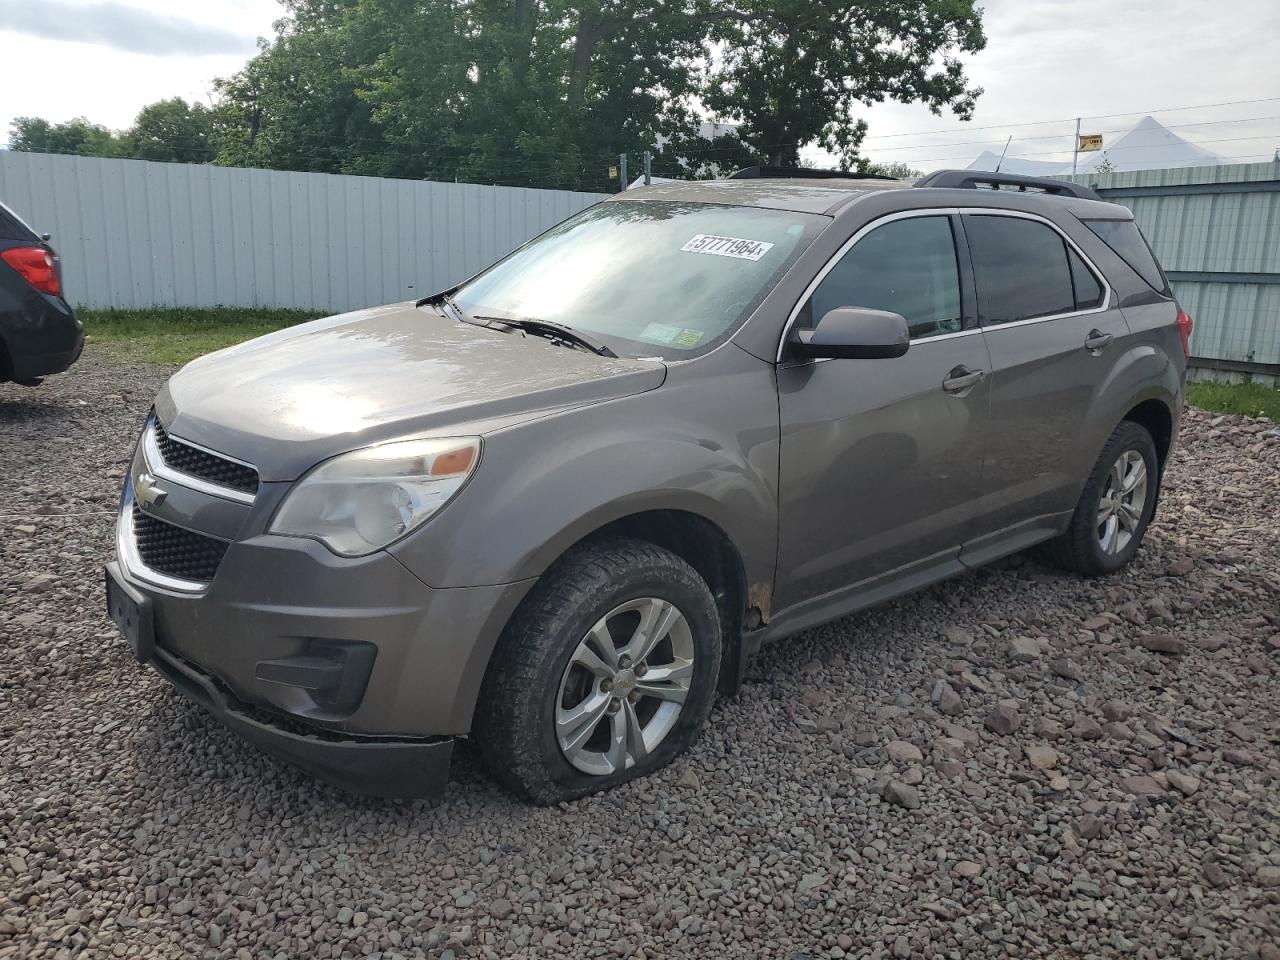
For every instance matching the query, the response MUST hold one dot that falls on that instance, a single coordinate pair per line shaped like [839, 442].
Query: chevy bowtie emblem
[146, 491]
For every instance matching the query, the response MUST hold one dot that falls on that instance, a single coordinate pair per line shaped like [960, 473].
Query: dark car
[557, 507]
[39, 332]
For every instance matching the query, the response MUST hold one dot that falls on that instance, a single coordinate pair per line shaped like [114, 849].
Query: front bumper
[394, 738]
[373, 767]
[353, 669]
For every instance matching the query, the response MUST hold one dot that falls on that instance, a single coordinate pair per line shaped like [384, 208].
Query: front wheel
[1115, 507]
[606, 673]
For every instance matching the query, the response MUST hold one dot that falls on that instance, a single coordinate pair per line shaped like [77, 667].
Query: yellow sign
[1089, 142]
[613, 172]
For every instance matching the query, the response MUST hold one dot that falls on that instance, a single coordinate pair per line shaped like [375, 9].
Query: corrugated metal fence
[139, 234]
[1216, 230]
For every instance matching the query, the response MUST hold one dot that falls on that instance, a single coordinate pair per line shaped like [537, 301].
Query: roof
[804, 196]
[1148, 146]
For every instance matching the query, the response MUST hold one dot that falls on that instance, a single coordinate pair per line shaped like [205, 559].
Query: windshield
[647, 277]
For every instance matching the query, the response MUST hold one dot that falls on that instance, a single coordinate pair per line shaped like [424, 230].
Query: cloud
[119, 27]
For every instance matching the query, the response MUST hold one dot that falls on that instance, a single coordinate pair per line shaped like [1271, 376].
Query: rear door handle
[1097, 341]
[961, 380]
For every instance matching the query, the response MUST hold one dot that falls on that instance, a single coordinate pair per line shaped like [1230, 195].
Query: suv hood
[288, 400]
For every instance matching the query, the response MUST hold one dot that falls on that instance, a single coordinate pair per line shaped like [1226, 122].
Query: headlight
[364, 500]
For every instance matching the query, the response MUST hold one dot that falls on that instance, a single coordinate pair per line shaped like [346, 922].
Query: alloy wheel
[624, 686]
[1124, 497]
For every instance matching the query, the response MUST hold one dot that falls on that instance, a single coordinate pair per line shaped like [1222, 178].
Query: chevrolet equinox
[557, 507]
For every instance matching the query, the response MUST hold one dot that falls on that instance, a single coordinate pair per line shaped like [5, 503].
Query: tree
[171, 130]
[894, 168]
[794, 72]
[78, 136]
[548, 92]
[294, 106]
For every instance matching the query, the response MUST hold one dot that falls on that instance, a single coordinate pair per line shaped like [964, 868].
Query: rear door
[1054, 336]
[881, 459]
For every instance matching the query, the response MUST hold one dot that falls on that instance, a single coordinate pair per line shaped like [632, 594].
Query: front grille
[174, 551]
[207, 466]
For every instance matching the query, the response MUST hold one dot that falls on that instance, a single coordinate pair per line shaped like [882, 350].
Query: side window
[1088, 289]
[1020, 267]
[906, 266]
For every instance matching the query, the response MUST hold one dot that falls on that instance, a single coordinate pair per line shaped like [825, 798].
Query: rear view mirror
[854, 333]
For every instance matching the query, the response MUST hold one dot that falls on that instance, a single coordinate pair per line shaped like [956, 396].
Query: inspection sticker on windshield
[727, 246]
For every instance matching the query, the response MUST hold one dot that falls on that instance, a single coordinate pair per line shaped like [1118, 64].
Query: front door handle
[1097, 341]
[961, 380]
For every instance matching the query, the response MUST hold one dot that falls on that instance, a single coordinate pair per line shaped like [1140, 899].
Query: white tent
[1148, 146]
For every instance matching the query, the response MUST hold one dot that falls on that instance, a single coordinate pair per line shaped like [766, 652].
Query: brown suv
[557, 507]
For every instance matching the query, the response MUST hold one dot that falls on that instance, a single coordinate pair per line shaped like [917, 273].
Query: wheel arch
[1157, 418]
[708, 548]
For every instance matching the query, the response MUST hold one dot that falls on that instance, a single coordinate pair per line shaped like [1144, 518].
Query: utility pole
[1075, 150]
[622, 171]
[648, 168]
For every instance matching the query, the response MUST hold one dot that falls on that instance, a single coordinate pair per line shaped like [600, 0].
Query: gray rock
[901, 751]
[1004, 718]
[1086, 728]
[1042, 756]
[1117, 710]
[1142, 786]
[901, 794]
[1184, 783]
[1164, 643]
[1025, 649]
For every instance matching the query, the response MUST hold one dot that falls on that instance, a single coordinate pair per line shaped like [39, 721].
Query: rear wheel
[606, 673]
[1115, 507]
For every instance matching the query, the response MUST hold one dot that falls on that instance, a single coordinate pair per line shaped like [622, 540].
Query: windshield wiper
[448, 300]
[556, 331]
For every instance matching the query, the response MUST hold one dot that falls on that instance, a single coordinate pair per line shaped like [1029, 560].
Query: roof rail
[981, 179]
[802, 173]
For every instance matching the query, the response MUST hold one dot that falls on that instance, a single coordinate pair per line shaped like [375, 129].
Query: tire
[547, 670]
[1081, 547]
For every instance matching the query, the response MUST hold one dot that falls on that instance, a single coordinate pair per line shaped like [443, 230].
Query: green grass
[1249, 399]
[175, 336]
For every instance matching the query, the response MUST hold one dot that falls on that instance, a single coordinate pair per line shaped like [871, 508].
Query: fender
[543, 485]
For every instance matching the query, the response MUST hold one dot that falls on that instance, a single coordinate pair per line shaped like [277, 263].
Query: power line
[1068, 134]
[1100, 116]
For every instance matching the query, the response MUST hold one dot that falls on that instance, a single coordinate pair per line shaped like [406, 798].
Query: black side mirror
[854, 333]
[46, 237]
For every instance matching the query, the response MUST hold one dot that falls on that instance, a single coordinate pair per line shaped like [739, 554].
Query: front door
[881, 459]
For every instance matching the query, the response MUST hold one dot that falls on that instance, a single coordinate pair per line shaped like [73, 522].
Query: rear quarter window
[1128, 243]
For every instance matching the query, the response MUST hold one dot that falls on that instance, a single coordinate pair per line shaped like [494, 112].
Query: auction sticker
[734, 247]
[660, 333]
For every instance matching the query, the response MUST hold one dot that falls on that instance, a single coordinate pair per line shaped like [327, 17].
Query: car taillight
[1184, 331]
[35, 265]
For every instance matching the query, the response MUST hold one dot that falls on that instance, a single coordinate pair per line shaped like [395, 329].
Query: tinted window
[906, 266]
[648, 277]
[1127, 241]
[1020, 267]
[1088, 289]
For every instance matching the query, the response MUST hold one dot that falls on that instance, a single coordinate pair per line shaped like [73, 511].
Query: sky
[1208, 71]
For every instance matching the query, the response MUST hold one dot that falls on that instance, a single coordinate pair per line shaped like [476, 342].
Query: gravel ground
[1015, 763]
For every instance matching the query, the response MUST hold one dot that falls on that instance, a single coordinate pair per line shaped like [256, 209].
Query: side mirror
[854, 333]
